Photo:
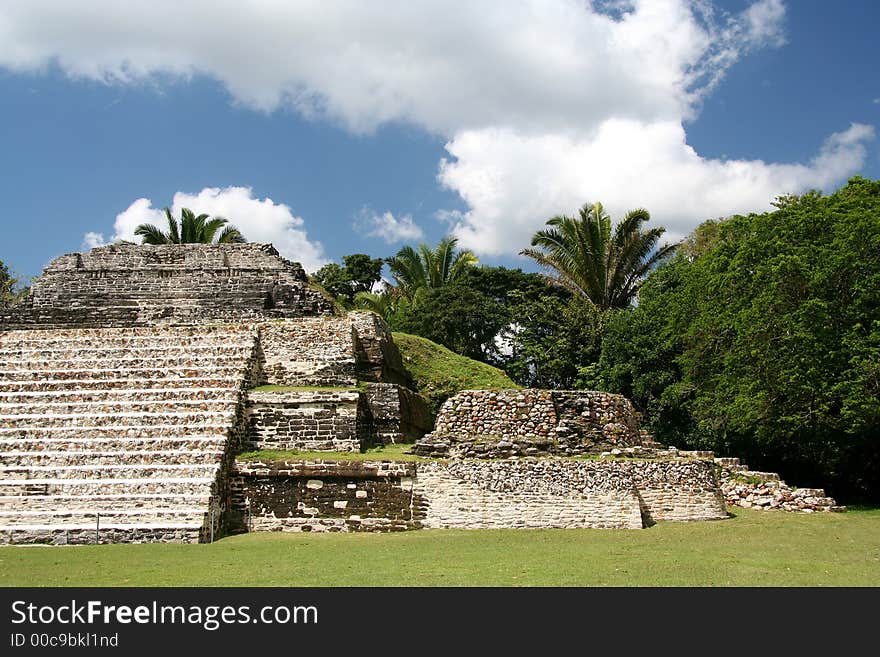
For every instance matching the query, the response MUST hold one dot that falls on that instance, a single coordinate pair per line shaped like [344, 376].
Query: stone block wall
[138, 285]
[529, 422]
[312, 351]
[612, 494]
[378, 358]
[323, 496]
[319, 420]
[518, 494]
[474, 494]
[399, 414]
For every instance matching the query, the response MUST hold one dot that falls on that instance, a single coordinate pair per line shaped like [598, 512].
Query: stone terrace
[119, 434]
[137, 285]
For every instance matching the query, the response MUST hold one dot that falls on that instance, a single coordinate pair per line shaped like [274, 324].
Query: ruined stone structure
[128, 285]
[473, 494]
[127, 386]
[133, 376]
[504, 423]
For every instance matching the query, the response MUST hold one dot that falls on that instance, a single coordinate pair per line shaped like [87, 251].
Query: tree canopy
[765, 341]
[357, 274]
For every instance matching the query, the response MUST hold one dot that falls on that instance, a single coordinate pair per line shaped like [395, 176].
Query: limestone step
[90, 526]
[45, 408]
[763, 476]
[50, 535]
[97, 503]
[727, 462]
[809, 492]
[114, 431]
[88, 518]
[120, 364]
[194, 418]
[39, 474]
[59, 352]
[121, 486]
[215, 443]
[126, 336]
[43, 397]
[207, 370]
[128, 457]
[120, 383]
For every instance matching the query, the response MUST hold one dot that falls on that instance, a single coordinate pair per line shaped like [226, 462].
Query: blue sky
[365, 126]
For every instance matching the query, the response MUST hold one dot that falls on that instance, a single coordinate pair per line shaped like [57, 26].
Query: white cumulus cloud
[390, 228]
[514, 183]
[545, 104]
[259, 220]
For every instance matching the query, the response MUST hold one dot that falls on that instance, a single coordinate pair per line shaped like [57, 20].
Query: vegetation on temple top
[190, 229]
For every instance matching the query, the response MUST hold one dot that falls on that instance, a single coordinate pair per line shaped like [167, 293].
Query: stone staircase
[765, 490]
[119, 435]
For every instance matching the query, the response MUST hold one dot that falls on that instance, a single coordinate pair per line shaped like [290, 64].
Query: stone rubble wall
[765, 490]
[139, 285]
[399, 414]
[473, 494]
[130, 431]
[309, 420]
[530, 422]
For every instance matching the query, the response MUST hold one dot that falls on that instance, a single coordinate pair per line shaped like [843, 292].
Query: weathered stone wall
[319, 420]
[502, 423]
[311, 351]
[475, 494]
[567, 493]
[323, 496]
[137, 285]
[399, 414]
[378, 358]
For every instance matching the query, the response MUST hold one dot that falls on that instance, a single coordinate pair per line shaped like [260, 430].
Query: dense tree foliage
[603, 266]
[358, 273]
[191, 229]
[10, 289]
[764, 341]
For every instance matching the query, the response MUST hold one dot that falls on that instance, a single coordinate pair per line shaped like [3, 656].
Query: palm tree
[191, 229]
[587, 258]
[382, 303]
[427, 268]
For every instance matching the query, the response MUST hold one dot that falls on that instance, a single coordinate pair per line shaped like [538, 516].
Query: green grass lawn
[753, 549]
[380, 453]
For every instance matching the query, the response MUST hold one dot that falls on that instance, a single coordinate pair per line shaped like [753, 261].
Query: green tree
[10, 290]
[358, 273]
[766, 345]
[200, 229]
[457, 316]
[424, 268]
[604, 266]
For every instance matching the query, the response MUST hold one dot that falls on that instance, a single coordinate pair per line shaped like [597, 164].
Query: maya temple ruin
[132, 376]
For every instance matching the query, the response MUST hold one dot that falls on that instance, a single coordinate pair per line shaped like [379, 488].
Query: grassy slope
[753, 549]
[440, 373]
